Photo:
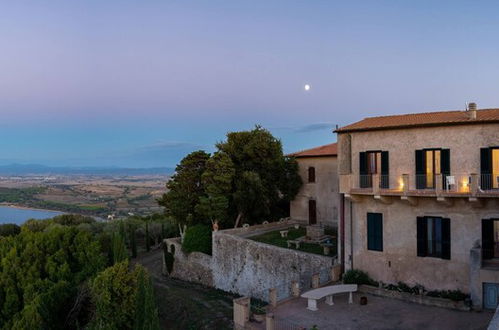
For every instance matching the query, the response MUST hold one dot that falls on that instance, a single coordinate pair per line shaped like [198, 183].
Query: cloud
[165, 146]
[308, 128]
[315, 127]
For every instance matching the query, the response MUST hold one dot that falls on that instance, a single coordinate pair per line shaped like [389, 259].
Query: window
[433, 235]
[489, 168]
[373, 162]
[311, 174]
[312, 212]
[429, 163]
[375, 231]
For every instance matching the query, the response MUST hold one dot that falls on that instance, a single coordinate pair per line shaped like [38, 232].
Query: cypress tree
[148, 246]
[118, 248]
[133, 242]
[146, 312]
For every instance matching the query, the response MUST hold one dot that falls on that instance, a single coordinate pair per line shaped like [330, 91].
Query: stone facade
[402, 203]
[324, 191]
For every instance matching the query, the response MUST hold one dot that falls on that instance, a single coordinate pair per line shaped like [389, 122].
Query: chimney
[472, 110]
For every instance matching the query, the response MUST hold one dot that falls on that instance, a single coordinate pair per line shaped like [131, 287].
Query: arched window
[311, 174]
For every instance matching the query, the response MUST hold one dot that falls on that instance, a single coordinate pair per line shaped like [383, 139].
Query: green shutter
[420, 169]
[385, 181]
[485, 168]
[370, 231]
[421, 236]
[379, 232]
[375, 231]
[446, 238]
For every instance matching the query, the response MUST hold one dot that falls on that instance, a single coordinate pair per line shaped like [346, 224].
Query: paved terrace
[379, 313]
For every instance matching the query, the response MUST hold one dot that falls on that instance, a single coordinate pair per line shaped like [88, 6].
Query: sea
[12, 214]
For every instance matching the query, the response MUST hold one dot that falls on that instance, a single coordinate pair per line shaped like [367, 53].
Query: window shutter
[444, 165]
[385, 181]
[420, 170]
[384, 163]
[487, 238]
[363, 181]
[362, 163]
[445, 161]
[485, 168]
[421, 236]
[379, 232]
[370, 231]
[446, 239]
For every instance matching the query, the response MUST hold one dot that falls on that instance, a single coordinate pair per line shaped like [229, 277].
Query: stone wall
[193, 267]
[247, 267]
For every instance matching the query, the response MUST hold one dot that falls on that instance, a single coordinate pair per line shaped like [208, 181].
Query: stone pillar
[475, 282]
[273, 297]
[335, 273]
[375, 181]
[295, 289]
[405, 182]
[439, 184]
[315, 281]
[269, 322]
[241, 310]
[474, 184]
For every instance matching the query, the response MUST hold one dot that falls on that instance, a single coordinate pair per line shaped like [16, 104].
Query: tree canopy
[247, 179]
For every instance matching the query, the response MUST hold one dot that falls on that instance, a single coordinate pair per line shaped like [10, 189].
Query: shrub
[113, 294]
[355, 276]
[455, 295]
[72, 219]
[9, 229]
[197, 238]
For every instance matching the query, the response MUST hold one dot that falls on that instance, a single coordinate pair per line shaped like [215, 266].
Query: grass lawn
[274, 238]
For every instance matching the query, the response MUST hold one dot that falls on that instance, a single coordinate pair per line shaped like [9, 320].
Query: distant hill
[26, 169]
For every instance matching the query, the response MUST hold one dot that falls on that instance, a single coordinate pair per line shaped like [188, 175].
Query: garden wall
[192, 267]
[248, 267]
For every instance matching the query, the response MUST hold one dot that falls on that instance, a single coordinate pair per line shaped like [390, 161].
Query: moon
[306, 87]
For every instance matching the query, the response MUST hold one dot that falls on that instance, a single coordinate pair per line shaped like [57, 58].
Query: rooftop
[322, 151]
[426, 119]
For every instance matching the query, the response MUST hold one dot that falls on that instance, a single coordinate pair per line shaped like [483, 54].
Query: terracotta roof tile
[441, 118]
[322, 151]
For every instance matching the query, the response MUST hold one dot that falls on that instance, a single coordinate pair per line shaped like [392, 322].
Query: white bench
[284, 233]
[296, 242]
[328, 291]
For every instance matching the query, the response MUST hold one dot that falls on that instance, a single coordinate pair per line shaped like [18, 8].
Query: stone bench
[297, 243]
[314, 295]
[284, 233]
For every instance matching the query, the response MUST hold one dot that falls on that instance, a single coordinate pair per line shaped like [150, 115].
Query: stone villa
[318, 200]
[420, 200]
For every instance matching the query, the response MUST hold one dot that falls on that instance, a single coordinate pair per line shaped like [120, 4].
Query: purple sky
[129, 83]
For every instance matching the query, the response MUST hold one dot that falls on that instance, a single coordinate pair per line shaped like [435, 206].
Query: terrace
[471, 186]
[379, 313]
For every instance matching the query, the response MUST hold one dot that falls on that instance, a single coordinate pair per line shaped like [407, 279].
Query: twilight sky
[142, 83]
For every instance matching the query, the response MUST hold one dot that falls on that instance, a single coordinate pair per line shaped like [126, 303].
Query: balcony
[470, 186]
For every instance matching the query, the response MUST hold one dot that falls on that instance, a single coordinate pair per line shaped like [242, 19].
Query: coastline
[29, 208]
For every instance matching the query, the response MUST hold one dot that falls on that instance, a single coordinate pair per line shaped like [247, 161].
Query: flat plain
[86, 194]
